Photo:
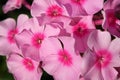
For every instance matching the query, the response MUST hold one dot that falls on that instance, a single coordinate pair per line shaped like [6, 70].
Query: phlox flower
[8, 29]
[59, 58]
[102, 57]
[33, 36]
[82, 7]
[80, 31]
[48, 7]
[23, 68]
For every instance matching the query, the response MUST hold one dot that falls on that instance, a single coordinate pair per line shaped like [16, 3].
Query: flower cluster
[63, 38]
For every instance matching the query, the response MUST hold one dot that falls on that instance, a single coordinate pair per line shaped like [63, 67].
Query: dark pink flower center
[79, 2]
[65, 58]
[28, 64]
[11, 35]
[80, 29]
[103, 58]
[37, 39]
[54, 11]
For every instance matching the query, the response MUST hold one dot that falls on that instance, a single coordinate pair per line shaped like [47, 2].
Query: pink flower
[23, 68]
[49, 11]
[102, 57]
[59, 58]
[82, 7]
[8, 30]
[33, 36]
[48, 7]
[11, 5]
[80, 31]
[111, 17]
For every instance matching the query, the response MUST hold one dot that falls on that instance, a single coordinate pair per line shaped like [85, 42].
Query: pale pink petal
[33, 25]
[99, 40]
[25, 37]
[114, 46]
[115, 51]
[66, 73]
[6, 50]
[68, 45]
[50, 46]
[92, 7]
[94, 74]
[51, 30]
[22, 18]
[39, 7]
[89, 21]
[51, 64]
[88, 61]
[109, 73]
[7, 25]
[30, 51]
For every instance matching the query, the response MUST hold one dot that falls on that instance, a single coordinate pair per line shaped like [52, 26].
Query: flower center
[65, 58]
[37, 40]
[28, 64]
[103, 58]
[11, 35]
[80, 29]
[54, 11]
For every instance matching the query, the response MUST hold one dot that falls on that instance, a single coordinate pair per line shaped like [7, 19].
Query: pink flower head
[112, 18]
[23, 68]
[49, 11]
[82, 7]
[48, 7]
[80, 32]
[102, 57]
[11, 5]
[60, 60]
[33, 36]
[8, 30]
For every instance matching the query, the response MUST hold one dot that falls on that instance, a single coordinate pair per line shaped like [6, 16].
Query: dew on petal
[28, 64]
[54, 11]
[11, 35]
[65, 58]
[80, 29]
[103, 58]
[37, 39]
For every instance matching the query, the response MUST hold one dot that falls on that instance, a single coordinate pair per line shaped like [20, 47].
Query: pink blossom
[80, 31]
[23, 68]
[102, 57]
[82, 7]
[8, 30]
[48, 7]
[59, 60]
[33, 36]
